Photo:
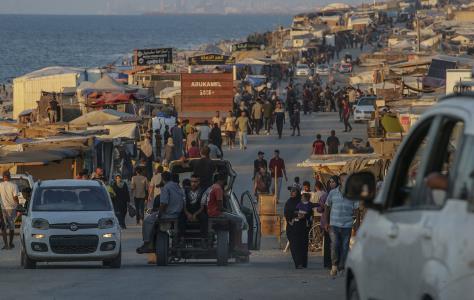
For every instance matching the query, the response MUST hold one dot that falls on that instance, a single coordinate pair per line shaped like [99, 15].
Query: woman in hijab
[279, 115]
[297, 229]
[169, 150]
[121, 200]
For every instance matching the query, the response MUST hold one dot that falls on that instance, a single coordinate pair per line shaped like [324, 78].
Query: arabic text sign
[158, 56]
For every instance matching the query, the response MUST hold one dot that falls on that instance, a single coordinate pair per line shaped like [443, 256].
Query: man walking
[242, 124]
[260, 162]
[9, 203]
[257, 115]
[277, 169]
[340, 212]
[267, 115]
[319, 147]
[333, 143]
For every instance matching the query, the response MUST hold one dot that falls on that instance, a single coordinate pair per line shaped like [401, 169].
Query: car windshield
[302, 66]
[71, 199]
[366, 102]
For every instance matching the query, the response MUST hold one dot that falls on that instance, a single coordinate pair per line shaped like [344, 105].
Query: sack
[132, 211]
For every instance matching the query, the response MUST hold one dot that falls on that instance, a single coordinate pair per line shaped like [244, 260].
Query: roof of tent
[104, 116]
[251, 61]
[38, 156]
[108, 84]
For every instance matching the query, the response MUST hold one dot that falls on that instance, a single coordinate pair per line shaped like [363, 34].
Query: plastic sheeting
[126, 130]
[104, 116]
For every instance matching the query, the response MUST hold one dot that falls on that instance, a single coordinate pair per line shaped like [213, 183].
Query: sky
[94, 7]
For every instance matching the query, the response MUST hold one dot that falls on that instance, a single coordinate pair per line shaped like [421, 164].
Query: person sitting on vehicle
[171, 206]
[204, 167]
[195, 208]
[215, 209]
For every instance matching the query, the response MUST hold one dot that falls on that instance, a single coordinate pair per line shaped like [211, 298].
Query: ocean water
[31, 42]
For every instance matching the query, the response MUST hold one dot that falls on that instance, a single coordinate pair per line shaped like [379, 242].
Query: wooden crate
[271, 225]
[266, 204]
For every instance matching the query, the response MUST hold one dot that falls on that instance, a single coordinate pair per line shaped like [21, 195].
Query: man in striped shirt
[340, 212]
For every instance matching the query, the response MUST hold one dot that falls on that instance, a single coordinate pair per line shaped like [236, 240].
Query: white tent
[108, 84]
[105, 116]
[124, 130]
[251, 61]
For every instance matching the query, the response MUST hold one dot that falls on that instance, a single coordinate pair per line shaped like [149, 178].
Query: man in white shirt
[9, 203]
[204, 131]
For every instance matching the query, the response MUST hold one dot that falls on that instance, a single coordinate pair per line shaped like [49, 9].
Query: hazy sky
[135, 6]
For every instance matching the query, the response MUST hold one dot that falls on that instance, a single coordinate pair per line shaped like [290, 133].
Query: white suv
[70, 220]
[416, 240]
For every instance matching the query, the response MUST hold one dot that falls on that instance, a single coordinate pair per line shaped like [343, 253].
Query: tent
[251, 61]
[105, 116]
[122, 130]
[108, 84]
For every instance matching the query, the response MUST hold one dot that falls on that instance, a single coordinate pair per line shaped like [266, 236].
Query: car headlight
[106, 223]
[40, 224]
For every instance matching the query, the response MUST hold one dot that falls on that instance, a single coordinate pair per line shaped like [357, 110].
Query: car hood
[81, 217]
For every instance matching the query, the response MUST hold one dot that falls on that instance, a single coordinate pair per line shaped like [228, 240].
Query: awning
[104, 116]
[39, 157]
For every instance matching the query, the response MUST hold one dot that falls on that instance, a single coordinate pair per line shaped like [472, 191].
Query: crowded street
[269, 271]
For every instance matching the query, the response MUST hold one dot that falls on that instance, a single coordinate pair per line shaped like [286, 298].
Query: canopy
[108, 84]
[125, 130]
[251, 61]
[256, 80]
[111, 99]
[101, 117]
[37, 156]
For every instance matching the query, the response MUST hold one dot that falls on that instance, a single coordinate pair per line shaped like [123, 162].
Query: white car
[416, 240]
[322, 70]
[70, 220]
[22, 181]
[302, 70]
[364, 109]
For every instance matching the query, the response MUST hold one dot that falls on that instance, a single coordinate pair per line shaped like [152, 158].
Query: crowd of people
[339, 217]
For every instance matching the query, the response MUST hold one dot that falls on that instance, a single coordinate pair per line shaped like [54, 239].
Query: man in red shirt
[277, 168]
[319, 147]
[215, 209]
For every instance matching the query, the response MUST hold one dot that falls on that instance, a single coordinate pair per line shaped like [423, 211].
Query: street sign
[158, 56]
[206, 92]
[211, 59]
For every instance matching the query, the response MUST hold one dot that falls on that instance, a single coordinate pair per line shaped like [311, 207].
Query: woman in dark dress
[297, 230]
[121, 200]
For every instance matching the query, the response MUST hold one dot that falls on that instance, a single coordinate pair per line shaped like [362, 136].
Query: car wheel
[242, 259]
[115, 263]
[222, 247]
[161, 245]
[26, 262]
[352, 292]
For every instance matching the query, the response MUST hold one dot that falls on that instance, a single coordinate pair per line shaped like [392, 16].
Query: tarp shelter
[108, 84]
[101, 117]
[256, 80]
[109, 99]
[122, 130]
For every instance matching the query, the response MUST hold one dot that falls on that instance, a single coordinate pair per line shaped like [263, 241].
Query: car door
[446, 209]
[249, 208]
[389, 241]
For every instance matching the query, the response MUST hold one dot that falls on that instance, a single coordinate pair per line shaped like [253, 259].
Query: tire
[243, 260]
[114, 263]
[316, 237]
[26, 262]
[162, 245]
[222, 247]
[352, 292]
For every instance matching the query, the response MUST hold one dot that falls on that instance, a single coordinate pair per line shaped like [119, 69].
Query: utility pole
[418, 33]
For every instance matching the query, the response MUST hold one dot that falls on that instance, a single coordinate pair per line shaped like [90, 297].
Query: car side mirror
[361, 187]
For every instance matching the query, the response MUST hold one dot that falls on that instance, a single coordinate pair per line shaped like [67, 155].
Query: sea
[31, 42]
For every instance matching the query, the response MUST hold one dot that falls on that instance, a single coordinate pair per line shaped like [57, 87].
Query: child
[297, 184]
[305, 209]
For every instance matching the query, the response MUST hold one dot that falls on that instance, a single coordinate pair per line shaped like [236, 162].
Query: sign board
[206, 92]
[245, 47]
[211, 59]
[158, 56]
